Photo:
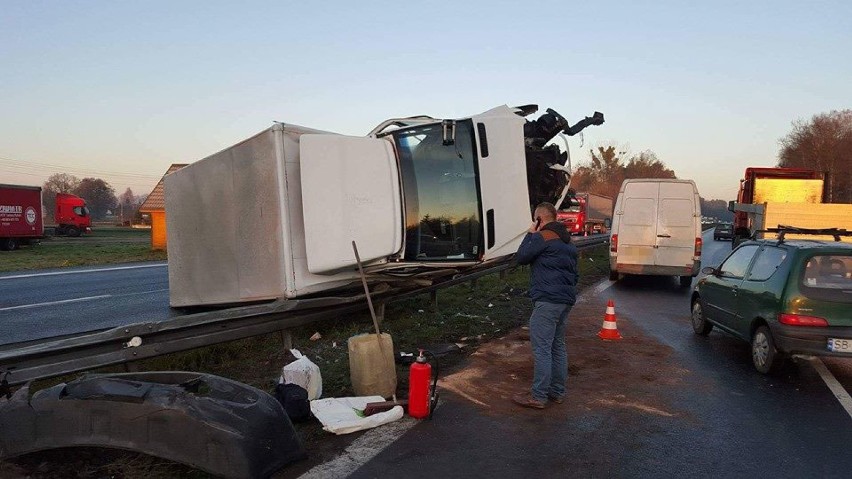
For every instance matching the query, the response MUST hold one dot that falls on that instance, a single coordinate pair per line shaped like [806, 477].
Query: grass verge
[105, 245]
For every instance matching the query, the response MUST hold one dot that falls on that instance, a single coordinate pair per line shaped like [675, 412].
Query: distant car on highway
[783, 296]
[723, 230]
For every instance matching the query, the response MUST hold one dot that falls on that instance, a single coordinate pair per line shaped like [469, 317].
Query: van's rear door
[637, 234]
[350, 191]
[676, 220]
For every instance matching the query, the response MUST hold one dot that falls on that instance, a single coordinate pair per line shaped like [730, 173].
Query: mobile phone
[537, 222]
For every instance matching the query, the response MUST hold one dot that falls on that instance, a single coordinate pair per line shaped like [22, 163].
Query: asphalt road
[50, 303]
[720, 417]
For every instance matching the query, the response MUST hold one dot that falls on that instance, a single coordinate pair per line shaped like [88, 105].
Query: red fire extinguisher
[421, 397]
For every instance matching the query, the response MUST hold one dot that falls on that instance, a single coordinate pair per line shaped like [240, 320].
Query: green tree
[824, 144]
[56, 183]
[99, 196]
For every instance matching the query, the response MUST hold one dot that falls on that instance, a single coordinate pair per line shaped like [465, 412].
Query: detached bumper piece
[223, 427]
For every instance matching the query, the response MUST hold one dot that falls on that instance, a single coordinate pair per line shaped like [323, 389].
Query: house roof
[156, 201]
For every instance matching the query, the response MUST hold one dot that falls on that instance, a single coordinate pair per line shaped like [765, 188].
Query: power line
[47, 167]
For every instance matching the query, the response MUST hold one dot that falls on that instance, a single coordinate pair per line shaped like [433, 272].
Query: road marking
[602, 286]
[361, 450]
[51, 303]
[833, 384]
[99, 270]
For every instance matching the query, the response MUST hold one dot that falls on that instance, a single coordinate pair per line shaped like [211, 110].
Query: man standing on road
[553, 289]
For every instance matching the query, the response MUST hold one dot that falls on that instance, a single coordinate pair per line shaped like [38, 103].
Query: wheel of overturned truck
[73, 231]
[8, 244]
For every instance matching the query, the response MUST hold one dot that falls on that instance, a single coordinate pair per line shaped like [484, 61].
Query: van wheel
[613, 275]
[72, 231]
[685, 281]
[765, 357]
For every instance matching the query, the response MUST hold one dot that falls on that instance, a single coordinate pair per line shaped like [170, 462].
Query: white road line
[602, 286]
[51, 303]
[361, 450]
[833, 384]
[99, 270]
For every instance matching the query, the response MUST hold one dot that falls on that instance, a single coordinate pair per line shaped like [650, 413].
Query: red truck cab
[72, 215]
[573, 214]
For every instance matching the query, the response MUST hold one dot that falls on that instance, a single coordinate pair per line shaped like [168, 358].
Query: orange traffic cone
[609, 330]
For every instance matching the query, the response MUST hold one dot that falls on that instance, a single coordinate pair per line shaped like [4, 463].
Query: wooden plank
[809, 215]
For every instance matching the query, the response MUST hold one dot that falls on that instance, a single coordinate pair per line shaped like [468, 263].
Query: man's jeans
[547, 335]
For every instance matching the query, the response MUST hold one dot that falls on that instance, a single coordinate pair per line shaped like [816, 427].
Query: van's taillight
[698, 243]
[800, 320]
[613, 243]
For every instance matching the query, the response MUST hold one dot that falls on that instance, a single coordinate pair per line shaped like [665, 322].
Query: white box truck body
[656, 229]
[275, 215]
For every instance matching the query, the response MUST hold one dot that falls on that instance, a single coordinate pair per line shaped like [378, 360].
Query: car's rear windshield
[828, 277]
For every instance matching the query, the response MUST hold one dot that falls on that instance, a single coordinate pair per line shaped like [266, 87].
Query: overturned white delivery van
[656, 229]
[275, 215]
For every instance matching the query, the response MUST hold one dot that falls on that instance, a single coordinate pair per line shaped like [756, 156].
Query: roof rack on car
[782, 230]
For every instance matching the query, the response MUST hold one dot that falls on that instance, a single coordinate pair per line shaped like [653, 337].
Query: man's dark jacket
[554, 264]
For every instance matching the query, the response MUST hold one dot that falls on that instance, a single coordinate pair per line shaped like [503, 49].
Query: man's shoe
[526, 400]
[557, 400]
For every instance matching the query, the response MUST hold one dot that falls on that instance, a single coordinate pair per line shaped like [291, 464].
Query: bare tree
[825, 144]
[57, 183]
[99, 196]
[609, 166]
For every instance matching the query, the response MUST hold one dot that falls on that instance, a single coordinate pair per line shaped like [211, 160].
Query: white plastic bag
[341, 415]
[303, 372]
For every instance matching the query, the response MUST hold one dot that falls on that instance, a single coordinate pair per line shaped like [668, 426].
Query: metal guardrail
[24, 362]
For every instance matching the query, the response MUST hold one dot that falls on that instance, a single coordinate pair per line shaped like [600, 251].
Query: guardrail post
[433, 296]
[286, 338]
[380, 312]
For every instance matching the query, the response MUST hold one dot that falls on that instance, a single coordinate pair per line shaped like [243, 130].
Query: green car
[784, 297]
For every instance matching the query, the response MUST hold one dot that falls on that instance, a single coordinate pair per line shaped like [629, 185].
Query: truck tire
[8, 244]
[613, 275]
[685, 281]
[73, 231]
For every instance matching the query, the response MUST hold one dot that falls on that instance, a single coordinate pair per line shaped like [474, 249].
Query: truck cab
[72, 215]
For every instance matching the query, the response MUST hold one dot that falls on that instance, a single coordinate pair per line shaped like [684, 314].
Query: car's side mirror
[607, 223]
[708, 270]
[731, 205]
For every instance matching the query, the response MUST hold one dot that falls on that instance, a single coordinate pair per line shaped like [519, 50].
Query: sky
[121, 90]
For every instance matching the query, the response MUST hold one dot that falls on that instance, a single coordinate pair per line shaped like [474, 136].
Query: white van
[656, 229]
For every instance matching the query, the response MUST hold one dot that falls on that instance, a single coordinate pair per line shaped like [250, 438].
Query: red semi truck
[586, 213]
[21, 215]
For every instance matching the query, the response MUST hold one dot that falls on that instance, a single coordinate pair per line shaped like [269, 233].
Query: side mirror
[608, 223]
[731, 206]
[708, 270]
[448, 131]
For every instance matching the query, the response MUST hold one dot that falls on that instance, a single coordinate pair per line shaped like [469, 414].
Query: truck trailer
[275, 216]
[586, 213]
[773, 185]
[21, 218]
[770, 198]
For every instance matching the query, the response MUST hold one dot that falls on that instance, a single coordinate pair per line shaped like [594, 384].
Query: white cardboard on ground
[338, 415]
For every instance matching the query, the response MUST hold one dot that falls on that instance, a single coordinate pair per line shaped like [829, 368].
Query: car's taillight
[613, 243]
[801, 320]
[698, 243]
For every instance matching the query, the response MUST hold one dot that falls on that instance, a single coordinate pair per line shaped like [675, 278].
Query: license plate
[840, 345]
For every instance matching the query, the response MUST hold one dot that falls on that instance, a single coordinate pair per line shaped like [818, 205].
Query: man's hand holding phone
[536, 225]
